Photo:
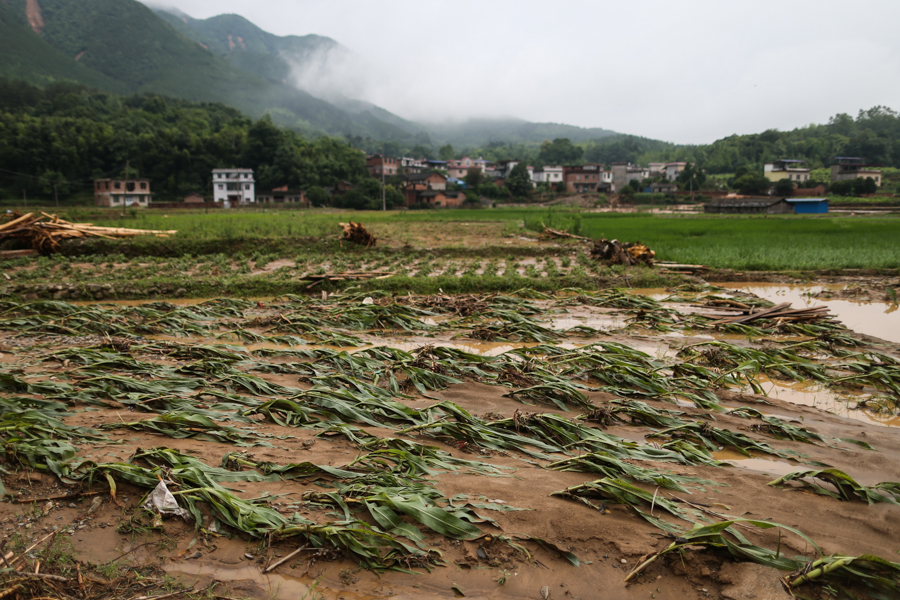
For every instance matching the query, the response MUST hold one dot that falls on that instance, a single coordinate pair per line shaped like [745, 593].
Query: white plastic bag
[162, 501]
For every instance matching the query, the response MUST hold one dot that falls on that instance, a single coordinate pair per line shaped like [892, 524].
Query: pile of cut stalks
[44, 232]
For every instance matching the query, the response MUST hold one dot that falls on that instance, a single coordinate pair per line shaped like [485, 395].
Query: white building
[234, 185]
[673, 169]
[548, 174]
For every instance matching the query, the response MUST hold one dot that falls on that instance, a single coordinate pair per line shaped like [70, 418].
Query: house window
[117, 185]
[143, 185]
[221, 186]
[246, 186]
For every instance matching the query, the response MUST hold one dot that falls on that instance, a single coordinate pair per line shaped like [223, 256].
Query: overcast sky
[680, 71]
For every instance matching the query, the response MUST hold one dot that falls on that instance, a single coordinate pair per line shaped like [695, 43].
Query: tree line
[60, 138]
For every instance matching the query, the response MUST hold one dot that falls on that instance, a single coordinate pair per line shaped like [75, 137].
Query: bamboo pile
[356, 233]
[45, 232]
[781, 312]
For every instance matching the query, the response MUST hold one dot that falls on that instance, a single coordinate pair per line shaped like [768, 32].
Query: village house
[851, 167]
[662, 187]
[194, 198]
[673, 169]
[547, 174]
[122, 192]
[411, 165]
[623, 174]
[436, 165]
[284, 195]
[417, 183]
[582, 179]
[441, 198]
[655, 168]
[379, 165]
[786, 168]
[503, 168]
[340, 189]
[235, 186]
[770, 206]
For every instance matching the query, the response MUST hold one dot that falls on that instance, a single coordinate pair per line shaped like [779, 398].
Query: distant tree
[627, 191]
[393, 197]
[560, 186]
[691, 178]
[518, 182]
[474, 178]
[560, 151]
[420, 151]
[784, 187]
[634, 184]
[317, 196]
[864, 186]
[446, 152]
[752, 183]
[841, 188]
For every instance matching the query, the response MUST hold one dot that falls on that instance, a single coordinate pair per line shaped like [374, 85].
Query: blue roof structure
[808, 206]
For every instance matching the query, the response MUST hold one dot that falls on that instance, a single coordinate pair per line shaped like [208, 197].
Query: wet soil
[609, 543]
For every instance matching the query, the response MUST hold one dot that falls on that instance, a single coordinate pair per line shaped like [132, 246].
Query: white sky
[689, 71]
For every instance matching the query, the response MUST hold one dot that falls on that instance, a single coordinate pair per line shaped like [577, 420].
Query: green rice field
[743, 243]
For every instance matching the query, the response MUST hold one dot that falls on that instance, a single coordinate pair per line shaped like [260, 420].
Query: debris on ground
[346, 276]
[46, 231]
[672, 267]
[781, 312]
[556, 233]
[614, 252]
[356, 233]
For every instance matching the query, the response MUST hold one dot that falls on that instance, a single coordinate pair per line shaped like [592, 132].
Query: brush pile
[356, 233]
[614, 252]
[45, 232]
[781, 312]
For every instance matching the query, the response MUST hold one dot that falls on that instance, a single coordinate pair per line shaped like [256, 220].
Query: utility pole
[383, 197]
[127, 169]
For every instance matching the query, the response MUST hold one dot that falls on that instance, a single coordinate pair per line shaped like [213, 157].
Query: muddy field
[504, 446]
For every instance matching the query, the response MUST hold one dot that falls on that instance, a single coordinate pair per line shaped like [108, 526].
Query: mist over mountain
[308, 83]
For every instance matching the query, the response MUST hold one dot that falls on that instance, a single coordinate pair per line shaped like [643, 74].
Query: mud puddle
[818, 396]
[759, 463]
[878, 319]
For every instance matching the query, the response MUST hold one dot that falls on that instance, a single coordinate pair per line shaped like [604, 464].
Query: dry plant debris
[357, 234]
[44, 232]
[614, 252]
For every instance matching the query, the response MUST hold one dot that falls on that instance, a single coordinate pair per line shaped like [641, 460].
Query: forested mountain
[246, 46]
[481, 132]
[123, 46]
[66, 135]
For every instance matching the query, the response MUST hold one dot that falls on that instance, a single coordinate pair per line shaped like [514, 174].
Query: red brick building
[376, 164]
[582, 179]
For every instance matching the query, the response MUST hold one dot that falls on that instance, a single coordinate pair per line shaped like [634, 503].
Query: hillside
[28, 56]
[123, 46]
[245, 45]
[481, 132]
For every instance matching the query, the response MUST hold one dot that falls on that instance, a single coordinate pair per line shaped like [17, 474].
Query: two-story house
[851, 167]
[122, 192]
[379, 165]
[786, 168]
[236, 186]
